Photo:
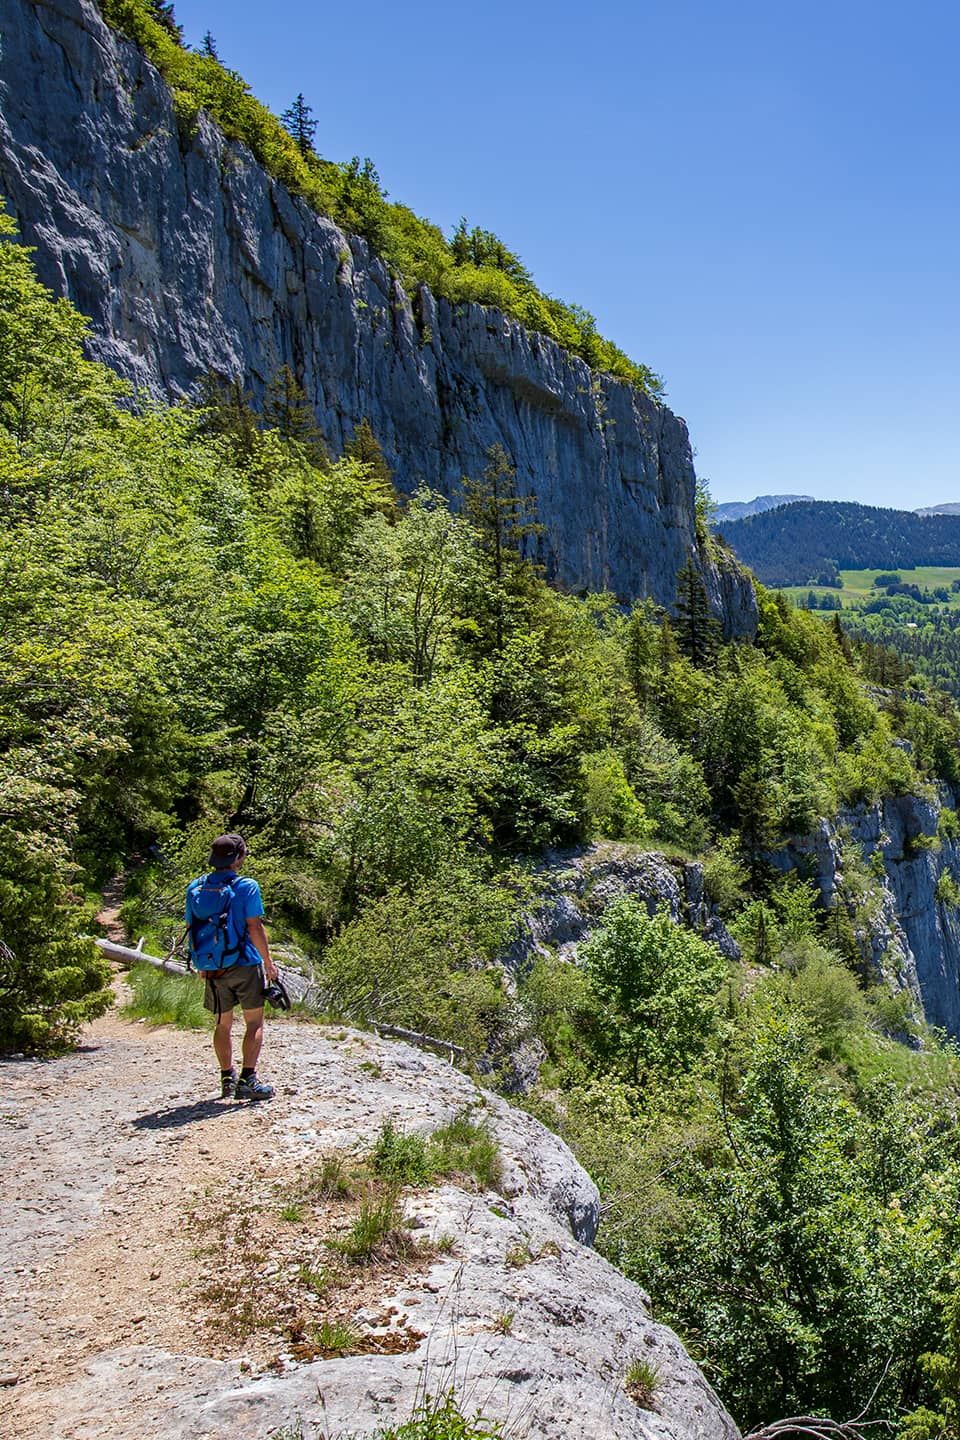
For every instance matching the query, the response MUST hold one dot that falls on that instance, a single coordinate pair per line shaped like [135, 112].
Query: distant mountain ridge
[951, 508]
[807, 541]
[740, 509]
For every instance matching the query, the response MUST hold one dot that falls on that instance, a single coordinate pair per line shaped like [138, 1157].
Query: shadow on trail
[180, 1115]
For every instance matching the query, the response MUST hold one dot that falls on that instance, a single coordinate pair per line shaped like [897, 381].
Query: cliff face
[906, 927]
[188, 258]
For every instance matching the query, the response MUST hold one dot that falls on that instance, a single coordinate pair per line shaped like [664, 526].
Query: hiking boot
[228, 1085]
[252, 1089]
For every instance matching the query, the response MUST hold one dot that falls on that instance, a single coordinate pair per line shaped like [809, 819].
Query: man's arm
[258, 935]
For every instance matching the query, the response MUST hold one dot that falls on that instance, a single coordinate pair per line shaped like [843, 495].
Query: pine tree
[163, 13]
[669, 650]
[226, 410]
[208, 47]
[287, 410]
[298, 122]
[698, 633]
[503, 520]
[840, 635]
[364, 446]
[757, 815]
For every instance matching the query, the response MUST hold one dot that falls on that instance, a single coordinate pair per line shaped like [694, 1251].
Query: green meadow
[858, 585]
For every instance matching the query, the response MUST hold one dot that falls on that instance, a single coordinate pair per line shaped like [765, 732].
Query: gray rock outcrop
[188, 257]
[508, 1307]
[578, 885]
[907, 926]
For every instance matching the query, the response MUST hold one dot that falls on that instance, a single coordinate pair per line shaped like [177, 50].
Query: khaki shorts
[240, 985]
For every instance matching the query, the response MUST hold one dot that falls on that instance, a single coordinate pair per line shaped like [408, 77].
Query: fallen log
[298, 987]
[414, 1037]
[128, 955]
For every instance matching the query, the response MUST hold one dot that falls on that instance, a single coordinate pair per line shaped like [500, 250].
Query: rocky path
[140, 1217]
[102, 1150]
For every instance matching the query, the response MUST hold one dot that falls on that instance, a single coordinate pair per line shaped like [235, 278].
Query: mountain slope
[793, 545]
[732, 510]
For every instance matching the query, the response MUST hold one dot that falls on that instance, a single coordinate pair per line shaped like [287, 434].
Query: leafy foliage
[208, 624]
[657, 984]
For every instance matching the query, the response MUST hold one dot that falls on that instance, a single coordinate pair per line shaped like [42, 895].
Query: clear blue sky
[760, 201]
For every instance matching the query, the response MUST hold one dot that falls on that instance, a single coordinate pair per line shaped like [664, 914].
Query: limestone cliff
[907, 927]
[897, 863]
[188, 258]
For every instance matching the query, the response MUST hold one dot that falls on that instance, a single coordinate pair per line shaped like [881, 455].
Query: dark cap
[226, 850]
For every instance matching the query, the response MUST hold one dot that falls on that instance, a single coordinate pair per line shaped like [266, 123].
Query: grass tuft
[641, 1382]
[378, 1233]
[466, 1147]
[163, 999]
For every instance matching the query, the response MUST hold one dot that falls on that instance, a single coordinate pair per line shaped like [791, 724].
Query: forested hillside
[809, 541]
[208, 624]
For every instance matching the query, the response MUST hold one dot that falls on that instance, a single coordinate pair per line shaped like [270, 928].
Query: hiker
[228, 945]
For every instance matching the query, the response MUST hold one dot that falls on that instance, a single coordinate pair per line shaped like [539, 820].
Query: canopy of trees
[796, 544]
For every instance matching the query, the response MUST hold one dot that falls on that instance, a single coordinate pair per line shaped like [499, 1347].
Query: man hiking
[228, 946]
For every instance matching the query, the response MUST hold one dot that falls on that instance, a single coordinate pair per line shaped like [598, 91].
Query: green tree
[659, 984]
[287, 410]
[698, 633]
[226, 409]
[807, 1278]
[163, 12]
[300, 125]
[503, 520]
[364, 447]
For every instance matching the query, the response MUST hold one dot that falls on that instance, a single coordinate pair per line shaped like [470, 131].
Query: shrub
[658, 982]
[465, 1146]
[401, 1158]
[725, 878]
[441, 1418]
[421, 959]
[609, 803]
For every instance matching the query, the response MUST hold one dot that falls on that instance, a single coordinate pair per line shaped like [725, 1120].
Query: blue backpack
[216, 941]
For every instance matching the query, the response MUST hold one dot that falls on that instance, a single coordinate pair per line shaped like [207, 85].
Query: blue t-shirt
[247, 904]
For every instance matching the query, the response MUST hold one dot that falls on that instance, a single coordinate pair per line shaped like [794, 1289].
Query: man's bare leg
[252, 1037]
[223, 1039]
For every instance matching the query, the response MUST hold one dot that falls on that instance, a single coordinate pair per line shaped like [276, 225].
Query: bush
[401, 1158]
[51, 980]
[465, 1147]
[421, 960]
[442, 1418]
[658, 982]
[725, 878]
[609, 803]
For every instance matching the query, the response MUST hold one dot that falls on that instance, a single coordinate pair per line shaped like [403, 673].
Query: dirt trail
[170, 1264]
[106, 1154]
